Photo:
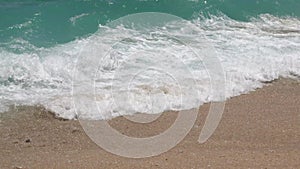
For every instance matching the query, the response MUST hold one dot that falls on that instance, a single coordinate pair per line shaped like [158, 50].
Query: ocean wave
[149, 71]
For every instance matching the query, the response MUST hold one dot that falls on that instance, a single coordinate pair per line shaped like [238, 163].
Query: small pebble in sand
[18, 167]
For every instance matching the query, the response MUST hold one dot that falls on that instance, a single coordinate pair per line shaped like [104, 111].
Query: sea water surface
[40, 41]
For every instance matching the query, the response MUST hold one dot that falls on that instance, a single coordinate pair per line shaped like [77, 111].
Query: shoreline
[258, 130]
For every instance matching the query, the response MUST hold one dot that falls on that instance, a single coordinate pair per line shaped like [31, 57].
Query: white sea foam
[150, 72]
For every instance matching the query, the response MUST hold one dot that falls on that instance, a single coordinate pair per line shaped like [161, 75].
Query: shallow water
[149, 70]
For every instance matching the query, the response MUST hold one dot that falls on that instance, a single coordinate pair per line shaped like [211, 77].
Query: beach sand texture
[258, 130]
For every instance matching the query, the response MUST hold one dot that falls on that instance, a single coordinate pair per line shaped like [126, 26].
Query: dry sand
[258, 130]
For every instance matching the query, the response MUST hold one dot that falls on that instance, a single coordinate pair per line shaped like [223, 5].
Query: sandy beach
[258, 130]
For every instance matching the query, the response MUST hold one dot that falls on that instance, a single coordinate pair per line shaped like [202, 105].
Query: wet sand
[258, 130]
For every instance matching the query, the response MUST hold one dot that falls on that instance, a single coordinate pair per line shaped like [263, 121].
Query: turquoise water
[43, 44]
[46, 23]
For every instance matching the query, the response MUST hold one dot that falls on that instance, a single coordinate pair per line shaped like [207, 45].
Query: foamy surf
[151, 72]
